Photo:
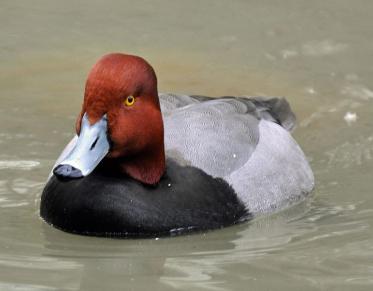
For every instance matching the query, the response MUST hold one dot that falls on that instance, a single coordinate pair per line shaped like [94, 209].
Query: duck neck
[148, 168]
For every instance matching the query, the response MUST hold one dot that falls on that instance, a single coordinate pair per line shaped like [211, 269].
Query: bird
[149, 164]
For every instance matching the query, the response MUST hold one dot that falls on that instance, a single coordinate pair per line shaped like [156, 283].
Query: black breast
[186, 199]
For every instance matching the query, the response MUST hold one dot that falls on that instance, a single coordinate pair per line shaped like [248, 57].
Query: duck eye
[130, 100]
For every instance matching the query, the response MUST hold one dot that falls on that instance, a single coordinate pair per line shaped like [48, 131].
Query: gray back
[217, 135]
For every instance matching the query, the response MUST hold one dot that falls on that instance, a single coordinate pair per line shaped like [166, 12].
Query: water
[317, 53]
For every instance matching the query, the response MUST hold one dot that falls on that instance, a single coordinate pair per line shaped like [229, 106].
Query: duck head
[120, 122]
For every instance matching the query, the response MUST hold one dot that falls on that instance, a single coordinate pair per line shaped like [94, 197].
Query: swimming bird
[149, 164]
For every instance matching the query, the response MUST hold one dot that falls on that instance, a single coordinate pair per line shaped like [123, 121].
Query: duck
[149, 164]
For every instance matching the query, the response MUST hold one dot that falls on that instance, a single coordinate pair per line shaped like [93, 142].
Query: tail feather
[275, 109]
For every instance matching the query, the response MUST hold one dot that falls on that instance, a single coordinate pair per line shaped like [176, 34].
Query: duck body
[228, 160]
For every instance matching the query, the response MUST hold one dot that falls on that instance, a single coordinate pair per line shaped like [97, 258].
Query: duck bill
[91, 146]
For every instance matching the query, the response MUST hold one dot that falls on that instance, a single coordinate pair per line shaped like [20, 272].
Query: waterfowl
[149, 164]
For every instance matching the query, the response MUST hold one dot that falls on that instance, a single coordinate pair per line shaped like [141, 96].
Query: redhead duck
[149, 164]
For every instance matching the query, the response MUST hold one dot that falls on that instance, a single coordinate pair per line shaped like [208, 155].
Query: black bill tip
[67, 171]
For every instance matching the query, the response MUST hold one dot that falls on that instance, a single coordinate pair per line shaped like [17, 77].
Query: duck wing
[218, 135]
[244, 141]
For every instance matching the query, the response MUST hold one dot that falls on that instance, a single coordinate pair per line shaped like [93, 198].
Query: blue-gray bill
[91, 147]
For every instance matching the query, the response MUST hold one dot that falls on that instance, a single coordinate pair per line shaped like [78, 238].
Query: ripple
[18, 165]
[323, 48]
[324, 110]
[24, 287]
[315, 49]
[358, 91]
[18, 192]
[351, 153]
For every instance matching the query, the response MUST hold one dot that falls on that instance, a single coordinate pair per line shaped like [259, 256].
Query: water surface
[316, 53]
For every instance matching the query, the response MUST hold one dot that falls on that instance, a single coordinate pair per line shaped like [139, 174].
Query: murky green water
[317, 53]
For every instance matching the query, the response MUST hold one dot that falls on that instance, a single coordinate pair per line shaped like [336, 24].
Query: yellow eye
[130, 100]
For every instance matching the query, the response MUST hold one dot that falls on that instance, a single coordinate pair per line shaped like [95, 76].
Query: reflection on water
[316, 53]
